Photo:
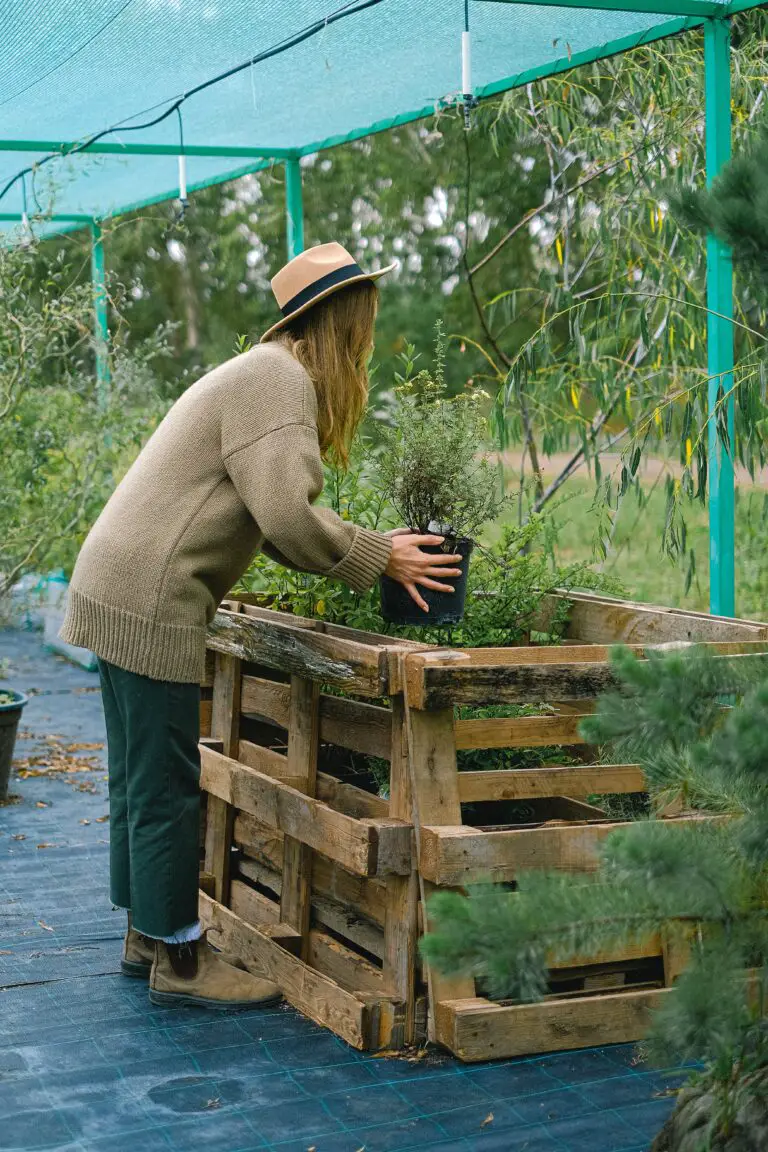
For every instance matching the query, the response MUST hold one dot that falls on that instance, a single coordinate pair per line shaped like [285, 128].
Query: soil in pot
[11, 704]
[397, 607]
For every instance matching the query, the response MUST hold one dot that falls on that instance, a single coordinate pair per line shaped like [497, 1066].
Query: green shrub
[430, 469]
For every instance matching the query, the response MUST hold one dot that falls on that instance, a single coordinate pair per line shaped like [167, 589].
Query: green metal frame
[720, 333]
[702, 8]
[112, 149]
[100, 319]
[294, 208]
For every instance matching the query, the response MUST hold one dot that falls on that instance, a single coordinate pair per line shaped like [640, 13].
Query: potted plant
[432, 473]
[11, 704]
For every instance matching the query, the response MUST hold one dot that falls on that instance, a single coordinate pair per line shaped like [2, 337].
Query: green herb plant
[430, 467]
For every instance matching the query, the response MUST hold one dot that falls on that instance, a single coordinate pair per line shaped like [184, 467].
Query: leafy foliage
[430, 468]
[61, 443]
[704, 883]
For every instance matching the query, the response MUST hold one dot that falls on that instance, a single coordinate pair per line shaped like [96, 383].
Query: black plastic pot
[10, 714]
[397, 607]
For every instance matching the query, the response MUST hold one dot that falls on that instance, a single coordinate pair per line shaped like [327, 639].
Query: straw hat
[313, 275]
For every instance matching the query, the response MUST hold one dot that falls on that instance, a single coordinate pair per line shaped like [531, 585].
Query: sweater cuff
[365, 561]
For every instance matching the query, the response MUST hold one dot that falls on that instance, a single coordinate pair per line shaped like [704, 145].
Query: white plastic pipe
[182, 178]
[466, 65]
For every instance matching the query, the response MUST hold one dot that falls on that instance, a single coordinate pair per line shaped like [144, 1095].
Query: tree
[62, 447]
[704, 884]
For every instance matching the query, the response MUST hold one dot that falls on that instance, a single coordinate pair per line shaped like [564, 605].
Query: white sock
[184, 935]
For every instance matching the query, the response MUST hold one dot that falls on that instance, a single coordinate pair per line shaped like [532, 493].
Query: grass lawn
[635, 557]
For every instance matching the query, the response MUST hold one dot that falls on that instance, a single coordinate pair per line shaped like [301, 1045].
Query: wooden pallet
[322, 884]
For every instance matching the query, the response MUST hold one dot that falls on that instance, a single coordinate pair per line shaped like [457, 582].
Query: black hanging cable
[182, 168]
[291, 41]
[466, 70]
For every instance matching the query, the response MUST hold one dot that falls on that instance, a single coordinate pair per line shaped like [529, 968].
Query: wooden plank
[311, 993]
[604, 620]
[266, 698]
[402, 894]
[363, 846]
[337, 795]
[350, 799]
[513, 684]
[589, 652]
[300, 651]
[210, 670]
[476, 1029]
[362, 895]
[253, 906]
[531, 783]
[435, 798]
[465, 683]
[375, 639]
[676, 950]
[264, 914]
[521, 731]
[351, 724]
[346, 921]
[266, 760]
[638, 950]
[459, 855]
[303, 735]
[346, 968]
[206, 711]
[225, 725]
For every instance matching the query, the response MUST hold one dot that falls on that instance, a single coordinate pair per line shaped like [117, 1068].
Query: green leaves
[431, 467]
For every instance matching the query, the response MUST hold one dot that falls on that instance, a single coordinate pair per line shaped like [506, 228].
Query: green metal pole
[294, 207]
[100, 324]
[717, 84]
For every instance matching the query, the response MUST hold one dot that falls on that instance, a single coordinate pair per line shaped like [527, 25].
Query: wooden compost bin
[321, 883]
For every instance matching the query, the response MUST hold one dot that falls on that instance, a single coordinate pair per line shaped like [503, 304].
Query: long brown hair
[333, 341]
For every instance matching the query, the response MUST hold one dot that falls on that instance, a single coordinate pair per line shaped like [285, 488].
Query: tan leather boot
[194, 974]
[139, 954]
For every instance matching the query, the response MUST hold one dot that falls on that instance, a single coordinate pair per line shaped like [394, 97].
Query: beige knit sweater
[233, 468]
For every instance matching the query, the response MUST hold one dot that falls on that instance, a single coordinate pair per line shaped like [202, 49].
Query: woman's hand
[411, 567]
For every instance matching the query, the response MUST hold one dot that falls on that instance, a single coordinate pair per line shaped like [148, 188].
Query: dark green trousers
[153, 728]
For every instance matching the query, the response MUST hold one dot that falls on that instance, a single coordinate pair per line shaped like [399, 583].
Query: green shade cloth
[68, 71]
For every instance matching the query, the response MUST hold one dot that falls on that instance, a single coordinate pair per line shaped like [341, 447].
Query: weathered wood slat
[263, 849]
[465, 683]
[350, 724]
[477, 1029]
[303, 738]
[459, 855]
[590, 653]
[344, 921]
[225, 723]
[313, 994]
[345, 967]
[401, 928]
[431, 755]
[363, 846]
[300, 651]
[603, 620]
[256, 909]
[521, 731]
[578, 780]
[337, 795]
[374, 639]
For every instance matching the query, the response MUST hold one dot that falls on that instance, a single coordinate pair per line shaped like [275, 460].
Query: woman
[234, 468]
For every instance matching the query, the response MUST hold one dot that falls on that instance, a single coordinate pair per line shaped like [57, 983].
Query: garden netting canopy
[320, 76]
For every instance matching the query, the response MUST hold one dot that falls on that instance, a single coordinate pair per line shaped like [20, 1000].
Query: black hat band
[330, 280]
